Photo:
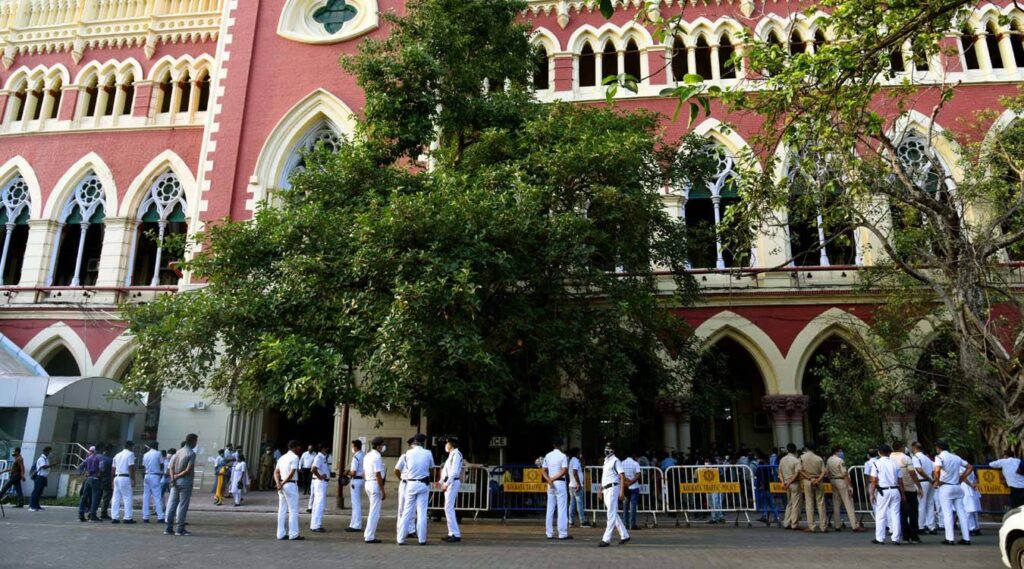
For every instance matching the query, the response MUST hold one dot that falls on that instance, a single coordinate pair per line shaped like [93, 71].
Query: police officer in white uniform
[926, 505]
[555, 471]
[402, 473]
[373, 474]
[286, 480]
[124, 481]
[613, 480]
[321, 473]
[946, 480]
[355, 472]
[153, 463]
[887, 496]
[451, 481]
[418, 461]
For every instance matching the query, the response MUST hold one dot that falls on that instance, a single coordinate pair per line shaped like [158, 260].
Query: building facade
[122, 120]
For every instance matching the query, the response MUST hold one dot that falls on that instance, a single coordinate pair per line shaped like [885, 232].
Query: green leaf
[694, 113]
[692, 78]
[607, 8]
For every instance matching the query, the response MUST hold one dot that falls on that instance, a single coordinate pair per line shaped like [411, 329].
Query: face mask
[383, 449]
[842, 455]
[608, 452]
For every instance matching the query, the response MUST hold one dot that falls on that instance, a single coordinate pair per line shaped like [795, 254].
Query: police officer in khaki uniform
[842, 491]
[812, 472]
[789, 476]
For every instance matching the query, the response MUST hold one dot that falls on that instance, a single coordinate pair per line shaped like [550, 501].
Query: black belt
[607, 486]
[884, 488]
[357, 478]
[120, 475]
[154, 474]
[290, 482]
[423, 480]
[452, 480]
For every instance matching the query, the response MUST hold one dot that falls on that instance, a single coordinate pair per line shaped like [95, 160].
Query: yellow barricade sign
[778, 488]
[532, 482]
[990, 482]
[709, 483]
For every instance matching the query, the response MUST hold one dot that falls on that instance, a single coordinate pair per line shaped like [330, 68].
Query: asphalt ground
[230, 538]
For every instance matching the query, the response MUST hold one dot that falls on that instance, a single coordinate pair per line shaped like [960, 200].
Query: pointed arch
[760, 346]
[166, 161]
[18, 166]
[947, 149]
[65, 187]
[116, 358]
[543, 37]
[832, 322]
[317, 107]
[735, 144]
[44, 344]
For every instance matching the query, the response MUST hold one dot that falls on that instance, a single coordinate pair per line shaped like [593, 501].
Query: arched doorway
[836, 381]
[61, 363]
[725, 412]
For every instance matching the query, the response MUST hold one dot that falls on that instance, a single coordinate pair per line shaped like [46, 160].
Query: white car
[1011, 538]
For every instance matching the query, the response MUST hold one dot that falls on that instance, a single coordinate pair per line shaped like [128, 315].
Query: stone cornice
[562, 8]
[41, 26]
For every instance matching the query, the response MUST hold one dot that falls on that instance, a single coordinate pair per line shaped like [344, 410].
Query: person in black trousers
[17, 478]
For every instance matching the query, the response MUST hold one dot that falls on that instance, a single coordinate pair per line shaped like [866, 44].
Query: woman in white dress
[239, 479]
[972, 502]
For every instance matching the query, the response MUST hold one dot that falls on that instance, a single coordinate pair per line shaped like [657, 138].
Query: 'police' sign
[709, 482]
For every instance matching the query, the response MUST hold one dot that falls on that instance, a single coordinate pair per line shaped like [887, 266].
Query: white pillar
[38, 252]
[683, 434]
[670, 440]
[76, 280]
[115, 258]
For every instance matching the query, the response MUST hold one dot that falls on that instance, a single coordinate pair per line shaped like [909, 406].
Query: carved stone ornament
[785, 405]
[327, 21]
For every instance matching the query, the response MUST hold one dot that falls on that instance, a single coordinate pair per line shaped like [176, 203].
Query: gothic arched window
[161, 215]
[14, 215]
[706, 205]
[77, 252]
[323, 134]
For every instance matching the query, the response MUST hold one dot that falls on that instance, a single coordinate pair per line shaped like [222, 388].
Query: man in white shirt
[912, 493]
[555, 470]
[418, 462]
[613, 479]
[355, 472]
[1010, 465]
[40, 479]
[886, 495]
[153, 464]
[373, 475]
[950, 472]
[285, 474]
[402, 472]
[926, 505]
[305, 471]
[321, 473]
[124, 481]
[632, 489]
[577, 489]
[451, 481]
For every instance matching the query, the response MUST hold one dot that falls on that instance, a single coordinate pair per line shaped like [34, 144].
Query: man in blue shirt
[106, 480]
[91, 490]
[669, 461]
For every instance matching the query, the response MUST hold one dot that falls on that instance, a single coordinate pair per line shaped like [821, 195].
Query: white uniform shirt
[151, 462]
[286, 464]
[575, 467]
[870, 467]
[402, 466]
[950, 465]
[372, 464]
[887, 472]
[925, 464]
[611, 471]
[43, 466]
[1009, 467]
[419, 461]
[632, 469]
[123, 461]
[357, 464]
[554, 462]
[452, 469]
[320, 463]
[307, 459]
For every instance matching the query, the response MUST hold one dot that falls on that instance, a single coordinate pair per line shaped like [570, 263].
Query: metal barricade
[770, 496]
[861, 493]
[517, 488]
[995, 494]
[6, 475]
[651, 496]
[474, 491]
[713, 490]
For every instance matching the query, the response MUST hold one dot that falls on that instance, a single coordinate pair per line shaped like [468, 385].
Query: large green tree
[468, 250]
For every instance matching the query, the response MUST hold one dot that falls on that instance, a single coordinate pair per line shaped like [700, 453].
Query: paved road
[55, 538]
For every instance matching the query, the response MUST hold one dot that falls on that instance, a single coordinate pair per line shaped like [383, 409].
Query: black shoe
[550, 538]
[309, 510]
[566, 538]
[129, 521]
[604, 544]
[145, 520]
[159, 521]
[299, 538]
[104, 517]
[452, 539]
[933, 532]
[410, 535]
[895, 543]
[353, 530]
[624, 541]
[318, 530]
[372, 541]
[914, 540]
[876, 542]
[183, 533]
[422, 543]
[94, 519]
[948, 542]
[168, 532]
[82, 519]
[115, 521]
[976, 532]
[285, 538]
[963, 542]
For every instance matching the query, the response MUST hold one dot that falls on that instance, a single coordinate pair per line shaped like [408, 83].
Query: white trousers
[611, 505]
[416, 496]
[373, 493]
[151, 494]
[451, 495]
[122, 495]
[288, 511]
[411, 527]
[318, 490]
[356, 491]
[926, 507]
[887, 515]
[558, 496]
[951, 498]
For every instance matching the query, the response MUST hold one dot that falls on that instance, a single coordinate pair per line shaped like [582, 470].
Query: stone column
[39, 252]
[114, 256]
[670, 440]
[675, 425]
[787, 412]
[903, 425]
[683, 434]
